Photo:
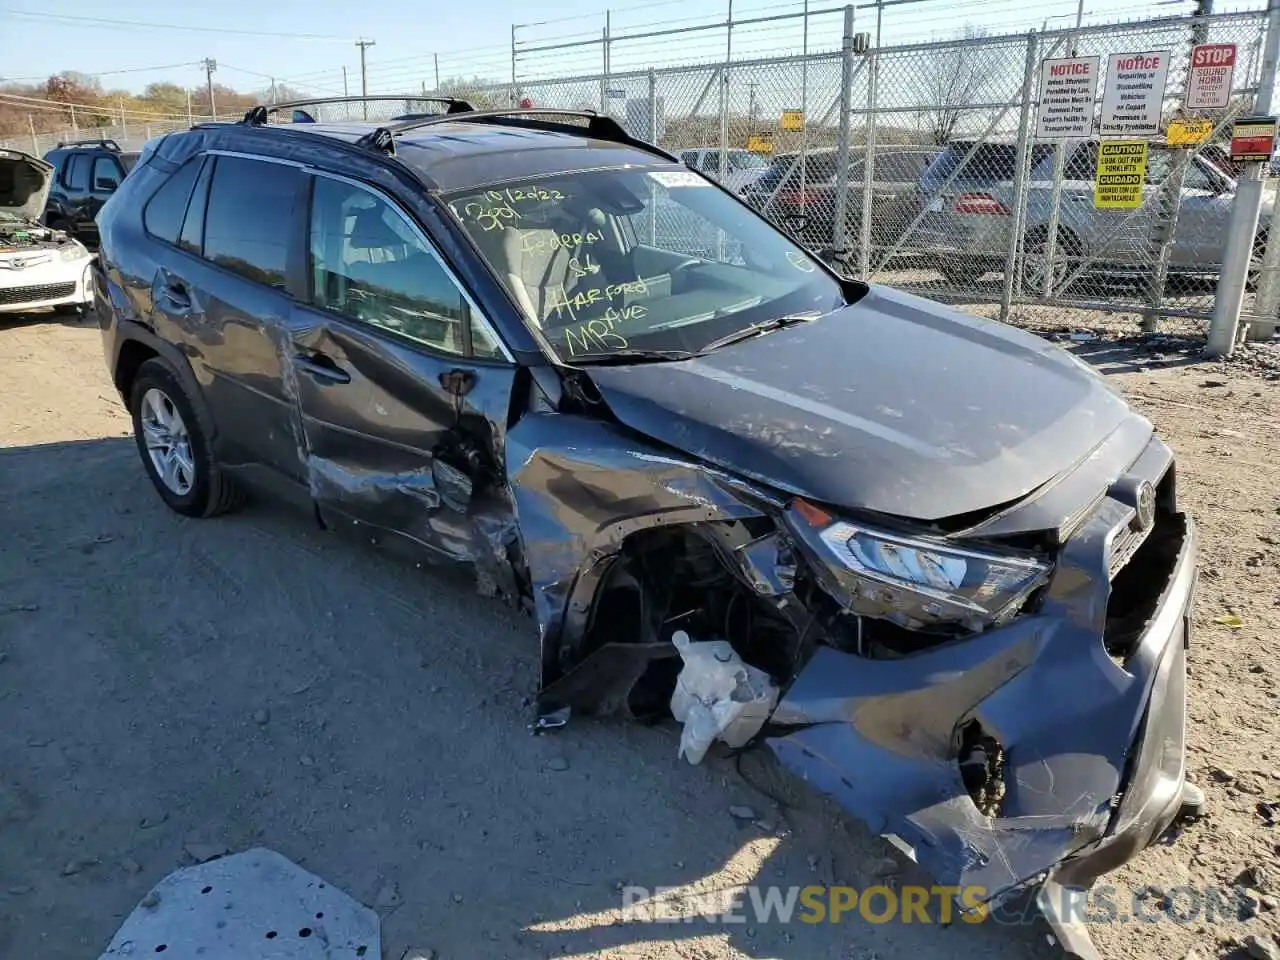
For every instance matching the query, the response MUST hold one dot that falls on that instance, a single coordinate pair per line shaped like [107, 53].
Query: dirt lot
[167, 684]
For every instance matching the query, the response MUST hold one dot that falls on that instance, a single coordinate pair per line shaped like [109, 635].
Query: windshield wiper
[757, 329]
[629, 355]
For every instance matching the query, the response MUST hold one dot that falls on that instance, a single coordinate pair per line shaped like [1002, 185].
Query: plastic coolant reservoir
[717, 695]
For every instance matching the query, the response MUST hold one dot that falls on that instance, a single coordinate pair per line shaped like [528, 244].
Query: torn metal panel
[879, 735]
[251, 904]
[580, 487]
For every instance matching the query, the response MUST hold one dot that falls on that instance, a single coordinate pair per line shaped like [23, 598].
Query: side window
[162, 217]
[192, 237]
[369, 263]
[77, 175]
[106, 173]
[249, 220]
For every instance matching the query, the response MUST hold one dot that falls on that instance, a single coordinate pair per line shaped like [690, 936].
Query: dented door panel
[381, 430]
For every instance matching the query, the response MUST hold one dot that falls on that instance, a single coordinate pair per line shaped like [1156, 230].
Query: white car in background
[744, 166]
[39, 267]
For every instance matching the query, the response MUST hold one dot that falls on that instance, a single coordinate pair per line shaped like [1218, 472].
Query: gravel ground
[170, 689]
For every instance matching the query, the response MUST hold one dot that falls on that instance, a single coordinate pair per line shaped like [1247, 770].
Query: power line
[106, 73]
[147, 25]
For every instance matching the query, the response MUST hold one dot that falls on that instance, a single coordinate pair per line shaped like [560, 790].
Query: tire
[69, 310]
[194, 485]
[1035, 246]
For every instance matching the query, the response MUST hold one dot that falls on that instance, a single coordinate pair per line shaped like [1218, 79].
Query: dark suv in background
[951, 553]
[86, 173]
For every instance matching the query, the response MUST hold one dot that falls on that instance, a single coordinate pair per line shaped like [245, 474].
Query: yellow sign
[792, 120]
[1187, 133]
[760, 143]
[1122, 169]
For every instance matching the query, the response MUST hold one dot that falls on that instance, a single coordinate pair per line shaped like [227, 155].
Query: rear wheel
[174, 450]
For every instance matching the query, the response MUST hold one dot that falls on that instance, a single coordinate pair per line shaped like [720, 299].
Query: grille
[1137, 587]
[35, 294]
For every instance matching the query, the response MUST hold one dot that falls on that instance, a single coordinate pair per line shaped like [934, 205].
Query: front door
[402, 391]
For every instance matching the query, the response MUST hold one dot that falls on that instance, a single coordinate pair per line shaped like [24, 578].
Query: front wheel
[1036, 266]
[174, 450]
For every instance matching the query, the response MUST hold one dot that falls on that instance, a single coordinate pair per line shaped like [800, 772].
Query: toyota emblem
[18, 263]
[1146, 506]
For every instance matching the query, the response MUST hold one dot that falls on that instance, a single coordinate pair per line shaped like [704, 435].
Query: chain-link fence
[919, 166]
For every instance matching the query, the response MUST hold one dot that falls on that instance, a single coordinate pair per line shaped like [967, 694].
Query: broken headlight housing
[921, 580]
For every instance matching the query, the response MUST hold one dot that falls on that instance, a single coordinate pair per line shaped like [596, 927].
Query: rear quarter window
[162, 216]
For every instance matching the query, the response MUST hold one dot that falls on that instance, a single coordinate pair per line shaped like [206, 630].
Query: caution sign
[1187, 133]
[1122, 170]
[1209, 82]
[791, 120]
[760, 143]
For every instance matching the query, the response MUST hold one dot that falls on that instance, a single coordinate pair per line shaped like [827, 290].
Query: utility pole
[437, 59]
[364, 74]
[345, 91]
[210, 65]
[274, 98]
[190, 119]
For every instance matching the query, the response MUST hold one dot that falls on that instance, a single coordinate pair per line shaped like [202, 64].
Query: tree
[956, 77]
[165, 98]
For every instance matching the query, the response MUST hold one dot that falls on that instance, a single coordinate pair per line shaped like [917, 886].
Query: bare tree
[955, 79]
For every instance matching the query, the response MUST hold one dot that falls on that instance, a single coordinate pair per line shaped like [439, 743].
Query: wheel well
[133, 354]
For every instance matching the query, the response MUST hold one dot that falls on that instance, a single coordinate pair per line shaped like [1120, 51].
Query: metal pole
[842, 135]
[1166, 225]
[1268, 291]
[436, 57]
[190, 118]
[364, 75]
[35, 144]
[723, 167]
[75, 127]
[1020, 182]
[653, 138]
[804, 108]
[346, 91]
[1229, 297]
[515, 91]
[604, 65]
[274, 98]
[124, 124]
[869, 160]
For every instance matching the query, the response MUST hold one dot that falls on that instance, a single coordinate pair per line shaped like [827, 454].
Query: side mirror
[106, 184]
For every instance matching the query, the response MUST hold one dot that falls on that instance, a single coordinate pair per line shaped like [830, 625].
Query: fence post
[723, 167]
[515, 90]
[1011, 263]
[1229, 296]
[842, 135]
[869, 162]
[35, 144]
[1268, 292]
[653, 138]
[604, 65]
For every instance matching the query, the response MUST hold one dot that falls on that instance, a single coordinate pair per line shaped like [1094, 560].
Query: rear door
[104, 179]
[222, 293]
[75, 191]
[403, 387]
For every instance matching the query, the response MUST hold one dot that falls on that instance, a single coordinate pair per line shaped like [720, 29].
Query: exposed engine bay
[18, 234]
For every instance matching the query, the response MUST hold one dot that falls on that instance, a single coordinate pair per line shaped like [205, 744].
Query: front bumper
[1093, 746]
[54, 284]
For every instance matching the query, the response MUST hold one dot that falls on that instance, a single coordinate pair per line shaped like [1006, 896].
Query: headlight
[921, 580]
[75, 250]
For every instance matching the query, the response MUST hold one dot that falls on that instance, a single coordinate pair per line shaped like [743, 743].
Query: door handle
[175, 291]
[321, 367]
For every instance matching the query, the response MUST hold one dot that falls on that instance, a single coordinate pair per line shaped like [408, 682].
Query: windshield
[638, 260]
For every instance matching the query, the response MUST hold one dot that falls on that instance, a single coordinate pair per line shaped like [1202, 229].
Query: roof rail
[599, 125]
[259, 115]
[98, 142]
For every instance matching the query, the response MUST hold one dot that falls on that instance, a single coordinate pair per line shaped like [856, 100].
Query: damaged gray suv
[527, 341]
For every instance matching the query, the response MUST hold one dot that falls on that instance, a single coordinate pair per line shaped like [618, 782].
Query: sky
[131, 43]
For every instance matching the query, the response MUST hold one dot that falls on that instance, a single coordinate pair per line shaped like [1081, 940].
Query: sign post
[1209, 82]
[1068, 88]
[1134, 94]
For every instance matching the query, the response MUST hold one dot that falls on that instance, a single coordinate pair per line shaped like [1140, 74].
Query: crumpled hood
[24, 184]
[894, 404]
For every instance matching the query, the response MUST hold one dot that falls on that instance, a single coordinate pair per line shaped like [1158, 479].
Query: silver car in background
[968, 223]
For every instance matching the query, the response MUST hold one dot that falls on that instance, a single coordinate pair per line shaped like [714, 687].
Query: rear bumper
[1093, 748]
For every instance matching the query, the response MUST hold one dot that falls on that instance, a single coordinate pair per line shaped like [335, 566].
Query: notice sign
[1187, 133]
[1209, 82]
[1122, 169]
[1253, 138]
[791, 120]
[1068, 88]
[1134, 94]
[760, 143]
